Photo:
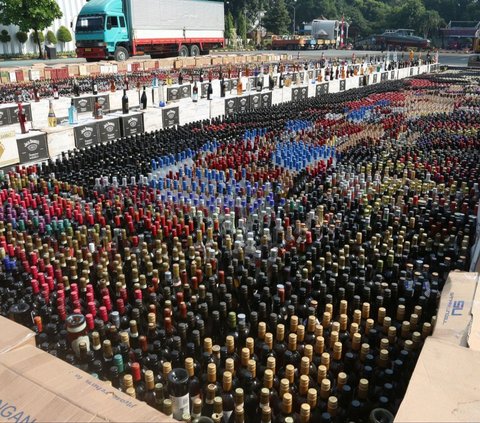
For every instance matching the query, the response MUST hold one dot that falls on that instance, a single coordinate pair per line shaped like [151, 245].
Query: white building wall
[70, 9]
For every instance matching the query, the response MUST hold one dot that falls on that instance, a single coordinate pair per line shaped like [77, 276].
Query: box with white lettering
[458, 310]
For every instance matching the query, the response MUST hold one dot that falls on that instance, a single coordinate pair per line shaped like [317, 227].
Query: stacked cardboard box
[444, 385]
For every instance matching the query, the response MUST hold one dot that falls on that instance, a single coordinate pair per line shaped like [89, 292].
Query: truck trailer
[122, 28]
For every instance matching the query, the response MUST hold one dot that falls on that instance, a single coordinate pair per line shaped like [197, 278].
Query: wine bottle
[179, 392]
[143, 100]
[97, 109]
[195, 92]
[125, 106]
[22, 118]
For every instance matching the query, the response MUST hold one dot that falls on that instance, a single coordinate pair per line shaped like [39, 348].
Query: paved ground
[451, 59]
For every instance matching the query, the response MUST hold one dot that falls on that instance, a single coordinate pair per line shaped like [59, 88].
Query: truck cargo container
[122, 28]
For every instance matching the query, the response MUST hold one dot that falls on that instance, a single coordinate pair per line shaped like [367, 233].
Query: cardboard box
[217, 60]
[14, 335]
[189, 61]
[444, 385]
[459, 311]
[39, 387]
[82, 70]
[73, 70]
[167, 63]
[202, 61]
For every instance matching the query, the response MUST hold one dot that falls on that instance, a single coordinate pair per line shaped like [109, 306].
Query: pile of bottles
[75, 86]
[282, 265]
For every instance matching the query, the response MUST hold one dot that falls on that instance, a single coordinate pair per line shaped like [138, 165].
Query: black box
[33, 148]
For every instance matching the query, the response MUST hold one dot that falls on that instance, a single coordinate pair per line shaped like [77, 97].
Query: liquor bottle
[379, 415]
[76, 88]
[35, 92]
[125, 107]
[179, 393]
[259, 85]
[195, 92]
[52, 119]
[143, 100]
[271, 82]
[161, 94]
[97, 109]
[113, 88]
[56, 95]
[72, 113]
[94, 86]
[287, 409]
[209, 90]
[239, 84]
[223, 87]
[227, 396]
[22, 118]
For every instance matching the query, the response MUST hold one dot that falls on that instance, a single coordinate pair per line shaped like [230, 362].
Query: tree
[37, 38]
[51, 39]
[27, 14]
[229, 28]
[242, 27]
[430, 21]
[22, 38]
[64, 35]
[5, 38]
[277, 19]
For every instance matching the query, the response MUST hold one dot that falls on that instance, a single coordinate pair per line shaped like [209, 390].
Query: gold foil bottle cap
[262, 329]
[245, 356]
[271, 363]
[230, 365]
[127, 381]
[280, 332]
[167, 407]
[384, 343]
[266, 414]
[218, 405]
[353, 328]
[252, 367]
[207, 344]
[321, 373]
[292, 342]
[293, 323]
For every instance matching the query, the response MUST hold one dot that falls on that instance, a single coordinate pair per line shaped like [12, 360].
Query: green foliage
[366, 17]
[277, 19]
[229, 26]
[5, 36]
[37, 37]
[242, 26]
[27, 14]
[22, 37]
[51, 38]
[64, 35]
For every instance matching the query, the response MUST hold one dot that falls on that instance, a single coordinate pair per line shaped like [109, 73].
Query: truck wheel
[121, 54]
[194, 50]
[183, 51]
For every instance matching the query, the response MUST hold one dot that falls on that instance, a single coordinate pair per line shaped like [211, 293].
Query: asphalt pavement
[450, 59]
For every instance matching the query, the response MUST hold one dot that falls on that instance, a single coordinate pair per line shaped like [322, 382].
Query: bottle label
[180, 406]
